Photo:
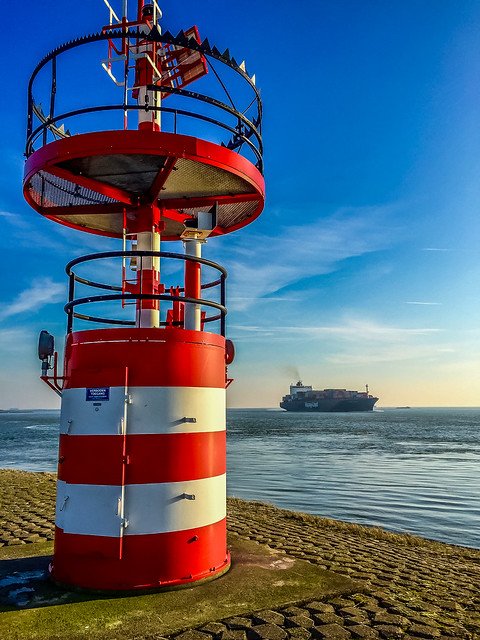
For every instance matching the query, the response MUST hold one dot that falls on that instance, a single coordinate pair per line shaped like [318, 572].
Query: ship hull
[340, 405]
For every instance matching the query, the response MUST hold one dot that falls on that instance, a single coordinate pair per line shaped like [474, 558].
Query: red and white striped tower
[141, 491]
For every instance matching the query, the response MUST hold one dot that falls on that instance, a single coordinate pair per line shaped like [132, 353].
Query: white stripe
[151, 410]
[149, 508]
[81, 417]
[80, 510]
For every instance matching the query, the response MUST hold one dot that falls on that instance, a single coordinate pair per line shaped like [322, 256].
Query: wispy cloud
[43, 291]
[356, 329]
[349, 329]
[13, 339]
[434, 249]
[428, 304]
[237, 299]
[389, 353]
[355, 341]
[14, 219]
[269, 263]
[31, 230]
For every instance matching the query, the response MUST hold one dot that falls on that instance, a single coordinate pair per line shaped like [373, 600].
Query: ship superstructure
[305, 398]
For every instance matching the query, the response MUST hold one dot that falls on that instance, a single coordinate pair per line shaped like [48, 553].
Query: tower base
[141, 489]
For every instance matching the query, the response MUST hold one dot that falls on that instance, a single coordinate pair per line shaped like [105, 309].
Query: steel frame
[248, 131]
[170, 145]
[133, 297]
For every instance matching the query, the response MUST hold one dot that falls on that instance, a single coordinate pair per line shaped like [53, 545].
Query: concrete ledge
[260, 578]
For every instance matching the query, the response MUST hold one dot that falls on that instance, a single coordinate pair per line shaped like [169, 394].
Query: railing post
[71, 295]
[194, 288]
[222, 302]
[29, 120]
[53, 90]
[193, 283]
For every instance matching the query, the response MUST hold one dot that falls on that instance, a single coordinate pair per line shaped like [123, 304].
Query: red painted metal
[208, 201]
[95, 185]
[174, 457]
[181, 65]
[169, 206]
[92, 562]
[160, 180]
[52, 212]
[129, 358]
[110, 470]
[141, 142]
[188, 358]
[193, 280]
[55, 382]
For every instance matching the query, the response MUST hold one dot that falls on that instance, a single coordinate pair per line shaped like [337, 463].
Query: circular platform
[96, 181]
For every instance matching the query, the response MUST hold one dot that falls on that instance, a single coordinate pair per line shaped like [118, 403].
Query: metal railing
[120, 294]
[244, 131]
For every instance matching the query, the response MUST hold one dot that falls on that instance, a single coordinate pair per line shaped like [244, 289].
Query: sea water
[408, 470]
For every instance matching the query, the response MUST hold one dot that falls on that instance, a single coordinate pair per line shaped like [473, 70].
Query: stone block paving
[27, 507]
[413, 589]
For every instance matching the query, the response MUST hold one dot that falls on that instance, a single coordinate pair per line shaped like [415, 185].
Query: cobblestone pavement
[27, 507]
[414, 588]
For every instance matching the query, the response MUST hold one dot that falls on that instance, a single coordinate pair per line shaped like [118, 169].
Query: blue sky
[364, 266]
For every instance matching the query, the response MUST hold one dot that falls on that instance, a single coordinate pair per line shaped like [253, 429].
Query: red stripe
[150, 458]
[154, 357]
[163, 559]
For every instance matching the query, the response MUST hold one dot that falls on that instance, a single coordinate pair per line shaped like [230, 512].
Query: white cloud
[269, 263]
[350, 329]
[425, 303]
[14, 219]
[355, 329]
[43, 291]
[14, 339]
[388, 353]
[237, 299]
[32, 230]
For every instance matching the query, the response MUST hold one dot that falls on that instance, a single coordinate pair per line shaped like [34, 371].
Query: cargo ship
[305, 398]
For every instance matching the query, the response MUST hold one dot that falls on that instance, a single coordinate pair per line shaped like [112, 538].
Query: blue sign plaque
[98, 394]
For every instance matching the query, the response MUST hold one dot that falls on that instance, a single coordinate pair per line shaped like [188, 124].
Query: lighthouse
[119, 147]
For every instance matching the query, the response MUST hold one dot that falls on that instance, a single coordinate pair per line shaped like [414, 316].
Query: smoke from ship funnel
[292, 371]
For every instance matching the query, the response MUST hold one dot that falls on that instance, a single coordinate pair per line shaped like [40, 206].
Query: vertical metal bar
[222, 302]
[192, 286]
[54, 87]
[29, 116]
[42, 194]
[71, 294]
[124, 259]
[140, 289]
[53, 90]
[71, 286]
[123, 520]
[125, 87]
